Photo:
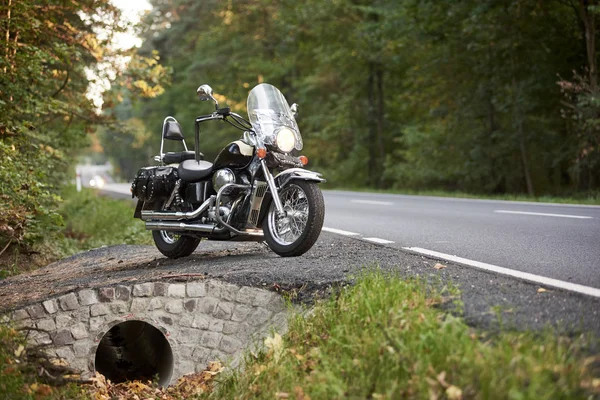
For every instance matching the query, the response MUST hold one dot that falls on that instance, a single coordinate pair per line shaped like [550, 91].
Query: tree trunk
[380, 122]
[372, 126]
[589, 22]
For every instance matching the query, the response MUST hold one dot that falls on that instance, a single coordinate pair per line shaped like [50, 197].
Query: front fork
[272, 187]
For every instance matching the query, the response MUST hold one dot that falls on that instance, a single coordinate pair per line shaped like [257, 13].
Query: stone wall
[202, 320]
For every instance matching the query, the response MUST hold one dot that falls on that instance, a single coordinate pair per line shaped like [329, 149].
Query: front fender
[297, 174]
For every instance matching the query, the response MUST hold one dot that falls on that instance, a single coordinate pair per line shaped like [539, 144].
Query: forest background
[485, 97]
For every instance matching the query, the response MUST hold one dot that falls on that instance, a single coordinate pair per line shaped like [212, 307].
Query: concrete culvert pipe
[135, 350]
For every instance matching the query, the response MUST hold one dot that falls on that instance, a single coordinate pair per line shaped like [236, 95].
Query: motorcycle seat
[173, 157]
[194, 171]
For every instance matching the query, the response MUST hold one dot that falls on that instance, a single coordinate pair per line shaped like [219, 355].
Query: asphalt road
[550, 240]
[561, 242]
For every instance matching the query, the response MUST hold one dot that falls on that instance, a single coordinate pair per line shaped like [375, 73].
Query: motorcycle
[255, 190]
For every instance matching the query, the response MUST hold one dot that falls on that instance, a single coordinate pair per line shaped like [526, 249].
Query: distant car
[97, 182]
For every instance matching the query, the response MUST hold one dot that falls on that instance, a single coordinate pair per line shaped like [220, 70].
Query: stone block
[211, 339]
[36, 311]
[64, 321]
[230, 344]
[207, 305]
[82, 314]
[143, 289]
[82, 348]
[195, 289]
[79, 331]
[246, 295]
[190, 305]
[189, 335]
[186, 320]
[201, 322]
[65, 353]
[39, 338]
[97, 324]
[99, 309]
[24, 323]
[200, 355]
[240, 312]
[218, 355]
[166, 320]
[46, 324]
[155, 303]
[259, 316]
[19, 315]
[186, 367]
[174, 306]
[62, 337]
[215, 325]
[122, 293]
[139, 305]
[87, 297]
[106, 295]
[276, 304]
[118, 308]
[51, 306]
[176, 290]
[229, 291]
[161, 288]
[262, 298]
[230, 328]
[68, 302]
[224, 310]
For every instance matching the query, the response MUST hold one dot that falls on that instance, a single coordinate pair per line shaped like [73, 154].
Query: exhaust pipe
[176, 215]
[181, 226]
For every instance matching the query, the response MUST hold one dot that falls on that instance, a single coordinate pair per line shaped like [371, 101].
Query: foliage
[93, 221]
[409, 95]
[45, 114]
[389, 338]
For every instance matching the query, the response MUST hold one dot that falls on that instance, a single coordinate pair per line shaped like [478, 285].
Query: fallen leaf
[275, 346]
[541, 290]
[439, 266]
[282, 395]
[454, 393]
[19, 350]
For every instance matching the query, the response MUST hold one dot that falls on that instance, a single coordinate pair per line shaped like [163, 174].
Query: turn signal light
[261, 152]
[303, 160]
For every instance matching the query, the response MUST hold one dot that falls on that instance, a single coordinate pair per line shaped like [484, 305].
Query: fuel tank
[235, 155]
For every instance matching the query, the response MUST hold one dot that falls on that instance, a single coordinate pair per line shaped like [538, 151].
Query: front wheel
[174, 246]
[295, 232]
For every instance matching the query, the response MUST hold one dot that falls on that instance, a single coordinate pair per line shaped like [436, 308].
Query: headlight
[286, 140]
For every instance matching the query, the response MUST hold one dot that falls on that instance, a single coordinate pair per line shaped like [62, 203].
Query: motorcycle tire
[295, 233]
[174, 246]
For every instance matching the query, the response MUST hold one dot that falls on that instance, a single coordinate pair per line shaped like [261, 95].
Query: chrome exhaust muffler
[182, 226]
[177, 215]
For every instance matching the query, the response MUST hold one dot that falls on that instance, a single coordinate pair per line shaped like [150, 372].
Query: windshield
[269, 111]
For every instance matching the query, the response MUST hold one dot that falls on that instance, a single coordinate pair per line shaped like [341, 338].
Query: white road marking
[378, 240]
[542, 214]
[373, 202]
[573, 287]
[339, 231]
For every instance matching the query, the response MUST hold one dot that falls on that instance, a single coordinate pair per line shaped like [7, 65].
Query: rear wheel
[295, 232]
[174, 246]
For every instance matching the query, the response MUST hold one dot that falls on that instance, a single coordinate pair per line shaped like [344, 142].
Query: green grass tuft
[386, 338]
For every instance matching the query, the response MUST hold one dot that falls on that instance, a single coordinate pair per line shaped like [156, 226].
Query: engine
[152, 183]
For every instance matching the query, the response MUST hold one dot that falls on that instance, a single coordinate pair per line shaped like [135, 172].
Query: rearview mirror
[294, 109]
[205, 93]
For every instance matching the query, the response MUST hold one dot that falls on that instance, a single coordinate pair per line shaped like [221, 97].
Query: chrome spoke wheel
[169, 237]
[287, 228]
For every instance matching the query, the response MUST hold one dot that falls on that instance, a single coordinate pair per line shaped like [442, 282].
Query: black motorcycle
[256, 190]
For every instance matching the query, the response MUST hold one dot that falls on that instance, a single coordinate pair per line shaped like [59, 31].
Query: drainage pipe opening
[135, 350]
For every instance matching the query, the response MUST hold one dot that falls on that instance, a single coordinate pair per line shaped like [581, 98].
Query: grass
[386, 338]
[591, 198]
[92, 221]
